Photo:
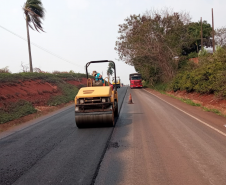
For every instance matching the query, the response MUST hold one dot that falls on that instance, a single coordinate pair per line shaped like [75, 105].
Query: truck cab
[135, 80]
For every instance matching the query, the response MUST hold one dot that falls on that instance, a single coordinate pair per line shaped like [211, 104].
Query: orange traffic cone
[130, 99]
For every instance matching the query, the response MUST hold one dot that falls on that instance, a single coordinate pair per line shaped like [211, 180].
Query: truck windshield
[136, 78]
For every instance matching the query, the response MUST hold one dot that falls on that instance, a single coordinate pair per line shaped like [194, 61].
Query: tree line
[159, 41]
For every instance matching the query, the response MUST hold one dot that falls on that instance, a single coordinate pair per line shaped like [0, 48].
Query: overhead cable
[41, 48]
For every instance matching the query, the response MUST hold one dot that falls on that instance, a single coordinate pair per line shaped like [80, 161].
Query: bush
[202, 52]
[69, 93]
[48, 77]
[17, 77]
[22, 108]
[5, 70]
[16, 110]
[207, 77]
[161, 87]
[192, 55]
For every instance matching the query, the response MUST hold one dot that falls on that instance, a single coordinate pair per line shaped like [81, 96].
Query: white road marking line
[224, 134]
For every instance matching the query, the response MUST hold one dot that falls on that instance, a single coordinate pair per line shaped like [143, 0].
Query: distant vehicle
[135, 80]
[117, 82]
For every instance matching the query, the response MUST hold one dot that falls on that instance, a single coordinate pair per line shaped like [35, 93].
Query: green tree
[110, 69]
[34, 13]
[152, 41]
[195, 32]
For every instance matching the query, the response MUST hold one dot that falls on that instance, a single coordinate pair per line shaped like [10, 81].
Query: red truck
[135, 80]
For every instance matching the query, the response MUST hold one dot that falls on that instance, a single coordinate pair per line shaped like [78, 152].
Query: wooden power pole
[213, 42]
[201, 35]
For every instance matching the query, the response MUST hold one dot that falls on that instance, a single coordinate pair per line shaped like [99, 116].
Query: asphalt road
[157, 143]
[53, 151]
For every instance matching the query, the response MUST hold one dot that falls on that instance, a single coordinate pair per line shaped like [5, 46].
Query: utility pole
[213, 42]
[201, 35]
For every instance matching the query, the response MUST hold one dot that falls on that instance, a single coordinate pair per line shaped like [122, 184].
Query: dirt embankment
[24, 100]
[37, 92]
[78, 83]
[209, 101]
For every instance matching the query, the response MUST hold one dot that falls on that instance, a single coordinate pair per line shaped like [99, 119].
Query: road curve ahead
[154, 143]
[53, 151]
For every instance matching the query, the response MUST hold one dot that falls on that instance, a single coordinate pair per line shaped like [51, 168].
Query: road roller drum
[95, 119]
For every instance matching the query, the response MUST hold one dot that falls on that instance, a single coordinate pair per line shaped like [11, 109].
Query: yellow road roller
[97, 104]
[116, 82]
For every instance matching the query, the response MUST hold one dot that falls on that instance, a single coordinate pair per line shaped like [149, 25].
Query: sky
[79, 31]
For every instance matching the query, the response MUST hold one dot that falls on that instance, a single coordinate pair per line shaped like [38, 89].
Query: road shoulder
[26, 121]
[210, 118]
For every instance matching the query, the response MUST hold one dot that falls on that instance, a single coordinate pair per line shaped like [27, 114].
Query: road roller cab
[96, 106]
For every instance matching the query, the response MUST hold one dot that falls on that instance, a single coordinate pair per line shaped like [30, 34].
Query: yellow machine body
[117, 83]
[90, 93]
[99, 91]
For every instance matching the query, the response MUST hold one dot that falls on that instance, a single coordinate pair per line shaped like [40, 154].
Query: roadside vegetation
[165, 47]
[53, 77]
[14, 110]
[206, 77]
[68, 94]
[158, 42]
[192, 103]
[160, 45]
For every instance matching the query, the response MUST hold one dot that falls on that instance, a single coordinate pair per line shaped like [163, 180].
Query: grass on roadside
[214, 111]
[190, 102]
[22, 108]
[69, 92]
[47, 77]
[162, 89]
[16, 110]
[187, 101]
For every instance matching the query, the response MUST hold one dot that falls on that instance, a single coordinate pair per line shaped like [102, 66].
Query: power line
[51, 53]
